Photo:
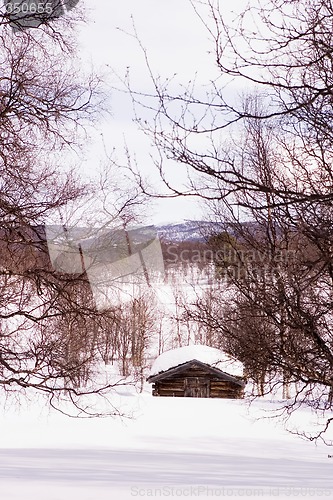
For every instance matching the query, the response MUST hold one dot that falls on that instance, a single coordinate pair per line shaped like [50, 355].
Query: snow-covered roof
[205, 354]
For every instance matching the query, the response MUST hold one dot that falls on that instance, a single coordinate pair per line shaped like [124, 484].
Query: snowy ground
[174, 447]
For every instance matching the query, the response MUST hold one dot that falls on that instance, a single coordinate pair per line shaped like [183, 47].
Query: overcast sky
[177, 43]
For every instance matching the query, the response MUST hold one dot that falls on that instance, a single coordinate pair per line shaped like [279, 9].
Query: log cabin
[197, 377]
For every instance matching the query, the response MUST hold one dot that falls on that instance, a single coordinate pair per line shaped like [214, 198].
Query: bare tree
[274, 171]
[278, 317]
[269, 180]
[136, 328]
[284, 67]
[51, 328]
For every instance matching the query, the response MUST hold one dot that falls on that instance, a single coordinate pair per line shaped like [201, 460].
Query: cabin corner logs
[197, 380]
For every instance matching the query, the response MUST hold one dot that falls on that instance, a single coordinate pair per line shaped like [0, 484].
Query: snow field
[174, 447]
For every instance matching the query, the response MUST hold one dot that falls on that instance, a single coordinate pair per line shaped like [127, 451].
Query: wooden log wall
[174, 386]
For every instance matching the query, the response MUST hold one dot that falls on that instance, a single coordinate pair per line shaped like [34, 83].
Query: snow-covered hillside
[194, 230]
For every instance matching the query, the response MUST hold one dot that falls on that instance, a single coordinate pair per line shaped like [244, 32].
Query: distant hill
[190, 231]
[199, 231]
